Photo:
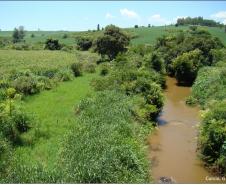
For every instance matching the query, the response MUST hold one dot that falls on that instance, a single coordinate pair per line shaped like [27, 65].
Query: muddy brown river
[173, 145]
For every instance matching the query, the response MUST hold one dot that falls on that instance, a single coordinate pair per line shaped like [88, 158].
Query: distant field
[41, 36]
[149, 35]
[38, 60]
[143, 35]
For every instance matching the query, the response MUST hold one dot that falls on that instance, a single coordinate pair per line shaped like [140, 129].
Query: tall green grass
[54, 117]
[36, 61]
[103, 147]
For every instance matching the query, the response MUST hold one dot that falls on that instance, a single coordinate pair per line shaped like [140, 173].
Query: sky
[84, 15]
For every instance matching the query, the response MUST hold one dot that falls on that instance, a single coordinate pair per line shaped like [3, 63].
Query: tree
[52, 44]
[18, 34]
[187, 65]
[225, 28]
[156, 62]
[112, 42]
[135, 26]
[98, 27]
[84, 43]
[149, 25]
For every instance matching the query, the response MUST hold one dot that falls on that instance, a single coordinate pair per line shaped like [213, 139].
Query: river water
[173, 145]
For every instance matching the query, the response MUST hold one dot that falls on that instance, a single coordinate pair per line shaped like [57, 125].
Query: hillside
[142, 35]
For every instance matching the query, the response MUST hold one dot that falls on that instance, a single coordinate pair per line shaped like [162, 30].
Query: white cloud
[178, 17]
[156, 16]
[129, 13]
[109, 16]
[219, 16]
[158, 20]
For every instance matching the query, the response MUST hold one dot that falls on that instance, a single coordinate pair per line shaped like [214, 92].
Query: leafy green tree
[18, 34]
[112, 42]
[187, 65]
[98, 27]
[156, 62]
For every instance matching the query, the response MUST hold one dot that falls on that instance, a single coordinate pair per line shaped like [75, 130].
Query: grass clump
[77, 69]
[103, 147]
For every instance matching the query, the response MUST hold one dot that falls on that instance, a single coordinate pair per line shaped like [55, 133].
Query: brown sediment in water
[173, 145]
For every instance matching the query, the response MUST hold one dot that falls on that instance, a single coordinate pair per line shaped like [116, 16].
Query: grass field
[143, 35]
[40, 60]
[54, 113]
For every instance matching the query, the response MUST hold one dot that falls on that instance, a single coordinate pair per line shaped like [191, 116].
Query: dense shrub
[103, 147]
[154, 61]
[210, 84]
[84, 43]
[104, 69]
[125, 77]
[89, 67]
[77, 69]
[13, 121]
[181, 47]
[52, 44]
[209, 90]
[186, 66]
[27, 85]
[212, 138]
[5, 154]
[20, 46]
[64, 75]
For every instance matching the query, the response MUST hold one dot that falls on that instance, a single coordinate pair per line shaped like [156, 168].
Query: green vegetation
[112, 42]
[54, 117]
[186, 52]
[84, 43]
[197, 21]
[103, 147]
[209, 90]
[52, 44]
[91, 124]
[41, 62]
[18, 34]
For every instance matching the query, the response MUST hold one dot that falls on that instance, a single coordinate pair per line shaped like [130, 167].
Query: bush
[103, 148]
[77, 69]
[13, 121]
[45, 83]
[20, 46]
[65, 36]
[52, 44]
[5, 152]
[89, 67]
[27, 85]
[104, 69]
[212, 137]
[210, 84]
[125, 77]
[84, 43]
[186, 66]
[64, 75]
[156, 62]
